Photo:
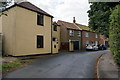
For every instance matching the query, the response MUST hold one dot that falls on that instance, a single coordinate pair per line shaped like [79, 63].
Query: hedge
[114, 33]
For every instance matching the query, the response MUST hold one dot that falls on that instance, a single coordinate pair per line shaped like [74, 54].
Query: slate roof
[30, 6]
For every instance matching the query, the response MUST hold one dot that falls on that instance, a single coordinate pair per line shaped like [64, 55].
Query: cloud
[65, 9]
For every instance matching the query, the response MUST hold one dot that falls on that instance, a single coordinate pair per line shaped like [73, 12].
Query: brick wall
[91, 38]
[64, 46]
[103, 40]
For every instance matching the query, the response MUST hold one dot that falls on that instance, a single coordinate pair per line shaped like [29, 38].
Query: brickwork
[91, 38]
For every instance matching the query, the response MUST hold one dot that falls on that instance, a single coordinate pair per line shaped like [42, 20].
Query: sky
[65, 10]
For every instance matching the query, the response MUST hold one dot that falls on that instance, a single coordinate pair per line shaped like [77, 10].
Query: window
[40, 19]
[96, 42]
[92, 42]
[55, 27]
[96, 36]
[86, 34]
[40, 41]
[54, 39]
[71, 32]
[55, 46]
[87, 42]
[79, 33]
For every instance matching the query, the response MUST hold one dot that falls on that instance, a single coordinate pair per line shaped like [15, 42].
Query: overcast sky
[65, 9]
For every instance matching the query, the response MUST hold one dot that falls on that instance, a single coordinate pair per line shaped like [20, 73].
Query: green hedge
[114, 33]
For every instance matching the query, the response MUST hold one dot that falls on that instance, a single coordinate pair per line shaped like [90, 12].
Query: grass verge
[14, 65]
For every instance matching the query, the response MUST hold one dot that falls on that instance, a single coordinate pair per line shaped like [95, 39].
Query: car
[91, 47]
[102, 47]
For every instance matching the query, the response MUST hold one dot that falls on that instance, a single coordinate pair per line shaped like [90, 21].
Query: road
[0, 57]
[63, 65]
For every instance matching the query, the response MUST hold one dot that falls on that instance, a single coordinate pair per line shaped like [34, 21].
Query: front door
[76, 45]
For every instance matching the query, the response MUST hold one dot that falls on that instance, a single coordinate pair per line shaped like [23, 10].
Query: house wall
[71, 46]
[64, 40]
[63, 34]
[91, 37]
[21, 32]
[56, 34]
[104, 40]
[75, 37]
[0, 33]
[1, 24]
[8, 30]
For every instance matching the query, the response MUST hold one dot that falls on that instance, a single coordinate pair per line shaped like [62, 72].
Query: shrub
[114, 33]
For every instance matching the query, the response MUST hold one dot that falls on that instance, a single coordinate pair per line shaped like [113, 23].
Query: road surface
[63, 65]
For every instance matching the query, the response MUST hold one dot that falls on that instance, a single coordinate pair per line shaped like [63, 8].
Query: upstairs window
[96, 36]
[71, 32]
[40, 19]
[86, 34]
[79, 33]
[40, 41]
[55, 27]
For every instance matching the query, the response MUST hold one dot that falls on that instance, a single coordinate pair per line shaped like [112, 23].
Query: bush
[114, 33]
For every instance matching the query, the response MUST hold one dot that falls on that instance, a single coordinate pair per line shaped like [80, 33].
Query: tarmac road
[63, 65]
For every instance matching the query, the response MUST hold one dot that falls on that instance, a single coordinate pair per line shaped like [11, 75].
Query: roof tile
[68, 25]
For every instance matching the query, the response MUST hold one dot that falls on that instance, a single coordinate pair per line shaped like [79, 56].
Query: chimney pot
[74, 21]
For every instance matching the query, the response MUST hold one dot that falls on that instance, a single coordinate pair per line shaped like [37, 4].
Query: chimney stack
[74, 21]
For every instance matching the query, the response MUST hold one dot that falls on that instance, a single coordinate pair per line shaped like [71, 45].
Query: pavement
[107, 67]
[63, 65]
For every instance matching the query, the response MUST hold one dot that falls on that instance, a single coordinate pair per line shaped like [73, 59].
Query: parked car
[102, 47]
[91, 47]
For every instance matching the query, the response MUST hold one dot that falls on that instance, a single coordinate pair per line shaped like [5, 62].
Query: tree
[114, 36]
[3, 6]
[99, 17]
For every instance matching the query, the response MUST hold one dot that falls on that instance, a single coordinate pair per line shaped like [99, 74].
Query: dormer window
[40, 19]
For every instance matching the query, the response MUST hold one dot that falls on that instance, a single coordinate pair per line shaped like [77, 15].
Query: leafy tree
[115, 33]
[99, 16]
[3, 6]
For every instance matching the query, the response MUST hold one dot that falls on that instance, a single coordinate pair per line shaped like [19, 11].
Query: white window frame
[71, 32]
[79, 33]
[96, 35]
[86, 34]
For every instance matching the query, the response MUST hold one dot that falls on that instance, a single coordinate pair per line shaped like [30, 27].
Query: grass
[11, 65]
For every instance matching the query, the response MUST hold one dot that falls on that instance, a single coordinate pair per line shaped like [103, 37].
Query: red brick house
[75, 36]
[70, 36]
[88, 37]
[104, 40]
